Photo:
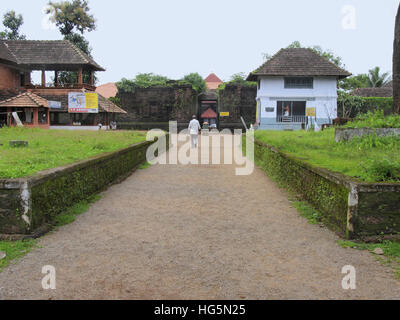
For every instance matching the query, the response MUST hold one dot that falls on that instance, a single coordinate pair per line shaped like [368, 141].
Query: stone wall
[353, 209]
[153, 108]
[346, 134]
[239, 101]
[28, 204]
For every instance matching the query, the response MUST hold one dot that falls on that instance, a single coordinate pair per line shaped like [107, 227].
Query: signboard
[224, 114]
[83, 102]
[55, 104]
[311, 112]
[269, 109]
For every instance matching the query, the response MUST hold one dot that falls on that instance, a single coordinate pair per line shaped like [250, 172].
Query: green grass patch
[308, 212]
[15, 250]
[375, 119]
[53, 148]
[70, 214]
[370, 159]
[144, 166]
[391, 251]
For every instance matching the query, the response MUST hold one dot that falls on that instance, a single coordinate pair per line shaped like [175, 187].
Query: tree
[72, 20]
[354, 82]
[396, 65]
[376, 79]
[12, 22]
[197, 82]
[69, 16]
[142, 80]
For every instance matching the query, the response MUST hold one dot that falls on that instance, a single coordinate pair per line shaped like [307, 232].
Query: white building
[290, 83]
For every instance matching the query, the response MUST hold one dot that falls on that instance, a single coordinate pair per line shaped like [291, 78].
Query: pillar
[43, 78]
[91, 80]
[80, 76]
[56, 78]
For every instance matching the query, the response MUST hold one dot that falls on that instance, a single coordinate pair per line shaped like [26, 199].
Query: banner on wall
[83, 102]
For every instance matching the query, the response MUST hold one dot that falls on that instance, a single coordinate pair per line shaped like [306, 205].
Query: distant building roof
[107, 90]
[298, 62]
[26, 99]
[373, 92]
[212, 78]
[213, 82]
[59, 55]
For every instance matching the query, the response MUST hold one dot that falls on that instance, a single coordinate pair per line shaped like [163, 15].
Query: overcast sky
[176, 37]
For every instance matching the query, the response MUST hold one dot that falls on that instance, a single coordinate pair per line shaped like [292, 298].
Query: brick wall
[9, 78]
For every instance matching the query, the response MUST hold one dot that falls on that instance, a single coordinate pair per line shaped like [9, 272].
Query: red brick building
[46, 105]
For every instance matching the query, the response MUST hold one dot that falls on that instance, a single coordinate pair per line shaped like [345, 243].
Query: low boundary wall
[29, 204]
[354, 209]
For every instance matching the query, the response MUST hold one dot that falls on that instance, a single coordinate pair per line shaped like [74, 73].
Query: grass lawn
[53, 148]
[370, 159]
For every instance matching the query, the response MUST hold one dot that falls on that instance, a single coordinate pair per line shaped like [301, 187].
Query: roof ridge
[10, 51]
[79, 51]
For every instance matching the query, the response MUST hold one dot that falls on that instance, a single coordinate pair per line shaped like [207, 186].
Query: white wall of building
[323, 96]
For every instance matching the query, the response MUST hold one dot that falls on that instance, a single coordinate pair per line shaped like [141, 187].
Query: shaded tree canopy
[375, 79]
[71, 16]
[73, 19]
[12, 23]
[197, 82]
[142, 80]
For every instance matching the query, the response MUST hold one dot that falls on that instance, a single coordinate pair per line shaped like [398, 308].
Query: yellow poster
[91, 100]
[311, 112]
[224, 114]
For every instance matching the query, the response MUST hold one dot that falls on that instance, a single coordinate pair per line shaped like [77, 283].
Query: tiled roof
[26, 99]
[209, 114]
[6, 55]
[57, 55]
[373, 92]
[107, 90]
[298, 62]
[213, 78]
[104, 104]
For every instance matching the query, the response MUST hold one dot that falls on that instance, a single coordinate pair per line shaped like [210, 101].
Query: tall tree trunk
[396, 65]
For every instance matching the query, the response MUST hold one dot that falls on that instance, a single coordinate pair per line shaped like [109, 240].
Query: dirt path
[195, 232]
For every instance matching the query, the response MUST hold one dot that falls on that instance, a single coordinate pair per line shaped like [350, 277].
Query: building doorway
[291, 111]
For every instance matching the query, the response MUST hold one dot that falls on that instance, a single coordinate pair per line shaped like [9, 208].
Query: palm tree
[396, 65]
[376, 79]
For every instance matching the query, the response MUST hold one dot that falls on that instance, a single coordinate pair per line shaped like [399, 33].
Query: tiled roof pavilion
[298, 62]
[59, 55]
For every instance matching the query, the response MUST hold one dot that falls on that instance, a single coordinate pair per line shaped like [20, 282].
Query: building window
[42, 116]
[299, 83]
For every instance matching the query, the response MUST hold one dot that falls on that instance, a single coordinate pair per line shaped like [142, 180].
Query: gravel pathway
[195, 232]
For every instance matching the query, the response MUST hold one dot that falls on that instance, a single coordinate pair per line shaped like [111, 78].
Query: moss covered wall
[326, 195]
[354, 209]
[51, 192]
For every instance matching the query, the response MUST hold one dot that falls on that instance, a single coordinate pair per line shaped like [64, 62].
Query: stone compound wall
[346, 134]
[153, 108]
[239, 101]
[27, 205]
[353, 209]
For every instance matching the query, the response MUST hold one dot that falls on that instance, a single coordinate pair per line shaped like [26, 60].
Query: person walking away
[194, 128]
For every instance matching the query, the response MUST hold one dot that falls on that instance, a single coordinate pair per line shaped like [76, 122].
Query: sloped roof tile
[298, 62]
